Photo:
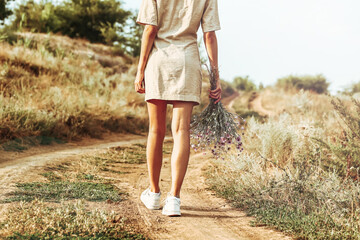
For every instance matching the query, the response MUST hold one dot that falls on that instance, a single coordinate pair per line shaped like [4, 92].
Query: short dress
[173, 70]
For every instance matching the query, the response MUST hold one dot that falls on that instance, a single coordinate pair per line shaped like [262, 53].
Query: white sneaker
[171, 207]
[150, 199]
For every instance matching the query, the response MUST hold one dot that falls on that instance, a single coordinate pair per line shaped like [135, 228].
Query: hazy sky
[268, 39]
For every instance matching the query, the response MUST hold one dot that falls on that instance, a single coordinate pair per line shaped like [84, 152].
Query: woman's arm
[147, 42]
[212, 51]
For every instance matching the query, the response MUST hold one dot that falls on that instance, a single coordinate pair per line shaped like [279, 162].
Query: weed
[63, 190]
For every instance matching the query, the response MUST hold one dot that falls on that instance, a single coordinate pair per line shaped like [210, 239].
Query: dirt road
[204, 216]
[256, 105]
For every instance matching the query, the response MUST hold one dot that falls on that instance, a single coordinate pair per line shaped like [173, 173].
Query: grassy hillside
[65, 88]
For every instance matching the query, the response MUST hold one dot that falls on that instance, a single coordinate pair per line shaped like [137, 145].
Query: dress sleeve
[148, 13]
[210, 19]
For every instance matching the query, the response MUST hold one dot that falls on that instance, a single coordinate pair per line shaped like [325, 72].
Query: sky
[270, 39]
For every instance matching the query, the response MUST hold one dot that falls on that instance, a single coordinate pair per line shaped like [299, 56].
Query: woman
[169, 72]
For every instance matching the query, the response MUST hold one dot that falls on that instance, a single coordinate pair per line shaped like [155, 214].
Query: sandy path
[229, 101]
[256, 105]
[204, 216]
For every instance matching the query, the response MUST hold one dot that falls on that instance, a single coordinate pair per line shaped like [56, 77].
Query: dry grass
[285, 177]
[38, 220]
[64, 88]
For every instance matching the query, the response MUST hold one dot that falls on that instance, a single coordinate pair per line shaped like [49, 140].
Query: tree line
[99, 21]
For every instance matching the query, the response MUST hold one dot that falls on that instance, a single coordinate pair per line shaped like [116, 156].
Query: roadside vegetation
[58, 203]
[300, 168]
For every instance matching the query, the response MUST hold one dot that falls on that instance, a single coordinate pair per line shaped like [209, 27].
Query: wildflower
[218, 125]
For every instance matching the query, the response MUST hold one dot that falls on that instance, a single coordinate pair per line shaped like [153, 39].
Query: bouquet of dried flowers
[215, 128]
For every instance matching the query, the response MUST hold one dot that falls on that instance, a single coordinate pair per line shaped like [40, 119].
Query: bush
[227, 89]
[354, 88]
[346, 147]
[316, 83]
[100, 21]
[4, 10]
[244, 84]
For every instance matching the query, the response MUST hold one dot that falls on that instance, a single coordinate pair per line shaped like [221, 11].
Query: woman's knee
[157, 130]
[180, 129]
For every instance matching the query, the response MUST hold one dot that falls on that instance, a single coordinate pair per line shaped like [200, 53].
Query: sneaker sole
[171, 214]
[151, 207]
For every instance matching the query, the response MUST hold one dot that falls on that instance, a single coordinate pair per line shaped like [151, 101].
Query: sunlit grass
[64, 190]
[37, 220]
[47, 90]
[286, 178]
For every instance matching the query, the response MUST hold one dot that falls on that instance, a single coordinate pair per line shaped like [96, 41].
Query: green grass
[134, 154]
[124, 235]
[63, 190]
[21, 144]
[304, 225]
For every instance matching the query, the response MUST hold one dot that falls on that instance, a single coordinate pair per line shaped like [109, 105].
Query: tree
[4, 10]
[316, 83]
[244, 84]
[133, 38]
[97, 20]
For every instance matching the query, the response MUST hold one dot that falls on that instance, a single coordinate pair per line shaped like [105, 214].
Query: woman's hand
[216, 93]
[139, 80]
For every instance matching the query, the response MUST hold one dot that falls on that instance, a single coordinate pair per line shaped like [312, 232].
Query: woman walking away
[169, 72]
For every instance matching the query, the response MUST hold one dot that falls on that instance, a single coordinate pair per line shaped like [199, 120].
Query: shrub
[354, 88]
[281, 181]
[4, 10]
[244, 84]
[316, 83]
[96, 20]
[227, 89]
[346, 146]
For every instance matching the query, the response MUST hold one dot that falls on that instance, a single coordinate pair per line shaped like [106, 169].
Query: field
[299, 172]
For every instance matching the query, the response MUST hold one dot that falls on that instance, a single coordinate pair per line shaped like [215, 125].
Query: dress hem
[185, 98]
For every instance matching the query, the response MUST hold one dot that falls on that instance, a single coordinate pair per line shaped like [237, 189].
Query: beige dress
[173, 70]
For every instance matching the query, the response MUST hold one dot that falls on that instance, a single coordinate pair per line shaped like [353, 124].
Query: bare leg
[180, 127]
[154, 149]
